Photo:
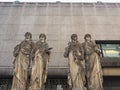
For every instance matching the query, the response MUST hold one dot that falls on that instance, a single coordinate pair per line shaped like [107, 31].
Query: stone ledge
[111, 67]
[110, 62]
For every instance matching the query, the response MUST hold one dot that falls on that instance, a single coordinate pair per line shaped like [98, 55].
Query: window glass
[111, 50]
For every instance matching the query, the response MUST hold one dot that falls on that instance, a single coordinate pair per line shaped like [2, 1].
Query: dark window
[109, 48]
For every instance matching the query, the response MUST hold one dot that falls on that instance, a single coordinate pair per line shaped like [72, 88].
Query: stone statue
[40, 56]
[92, 63]
[21, 62]
[74, 52]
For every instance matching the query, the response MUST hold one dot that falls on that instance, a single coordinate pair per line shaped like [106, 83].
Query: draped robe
[93, 67]
[21, 64]
[76, 76]
[39, 70]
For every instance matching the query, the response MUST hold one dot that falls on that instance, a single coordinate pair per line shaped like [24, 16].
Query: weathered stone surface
[58, 21]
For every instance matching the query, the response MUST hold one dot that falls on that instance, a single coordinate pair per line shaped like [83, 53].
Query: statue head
[42, 37]
[87, 37]
[74, 37]
[28, 36]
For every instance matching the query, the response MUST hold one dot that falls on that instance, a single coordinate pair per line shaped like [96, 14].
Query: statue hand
[37, 79]
[80, 58]
[29, 66]
[77, 62]
[14, 70]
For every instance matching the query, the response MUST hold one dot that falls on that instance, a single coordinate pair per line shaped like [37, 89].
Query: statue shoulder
[16, 50]
[69, 43]
[83, 44]
[22, 42]
[80, 44]
[37, 43]
[46, 43]
[33, 44]
[93, 41]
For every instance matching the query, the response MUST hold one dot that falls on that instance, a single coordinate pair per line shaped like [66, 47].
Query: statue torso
[26, 47]
[89, 47]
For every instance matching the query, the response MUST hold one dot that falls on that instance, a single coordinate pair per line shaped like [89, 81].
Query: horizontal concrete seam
[30, 68]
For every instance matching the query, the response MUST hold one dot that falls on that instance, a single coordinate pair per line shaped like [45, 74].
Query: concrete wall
[58, 21]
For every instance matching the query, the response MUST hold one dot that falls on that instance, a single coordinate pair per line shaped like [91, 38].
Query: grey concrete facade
[58, 21]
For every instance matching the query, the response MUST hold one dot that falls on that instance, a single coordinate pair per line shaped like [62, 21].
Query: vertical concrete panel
[58, 21]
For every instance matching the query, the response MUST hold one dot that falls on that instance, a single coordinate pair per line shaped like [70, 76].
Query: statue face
[42, 39]
[27, 37]
[88, 39]
[74, 39]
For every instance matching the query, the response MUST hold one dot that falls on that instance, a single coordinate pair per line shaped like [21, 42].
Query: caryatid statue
[40, 58]
[22, 62]
[92, 63]
[74, 52]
